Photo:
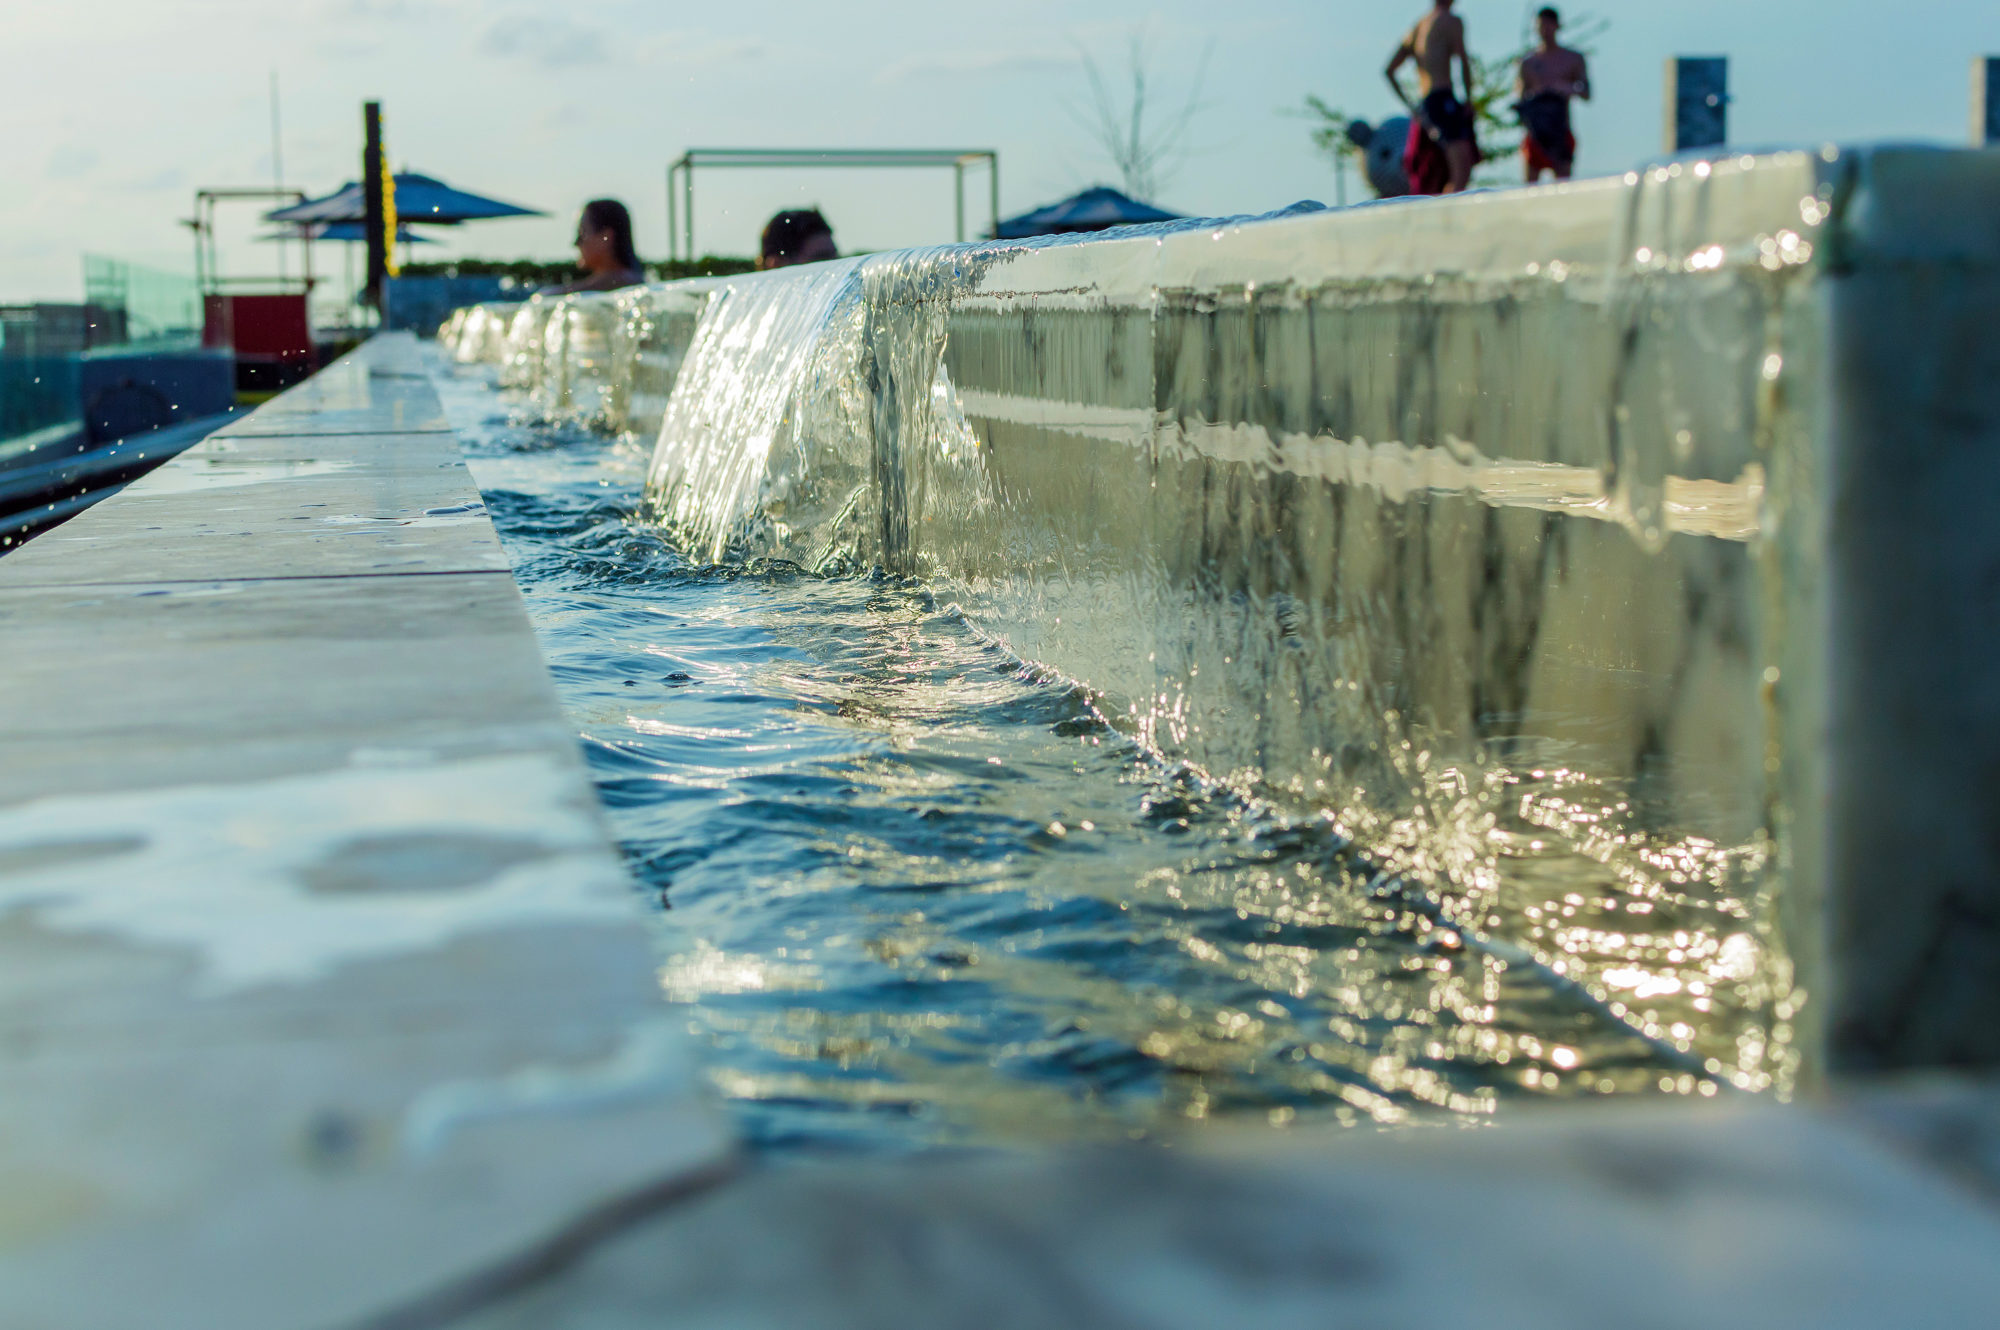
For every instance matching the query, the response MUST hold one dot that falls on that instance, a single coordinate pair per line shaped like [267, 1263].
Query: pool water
[912, 894]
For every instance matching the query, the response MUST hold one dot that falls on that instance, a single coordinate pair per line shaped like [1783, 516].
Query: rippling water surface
[914, 894]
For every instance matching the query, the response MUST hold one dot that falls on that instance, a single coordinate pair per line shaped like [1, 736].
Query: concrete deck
[321, 988]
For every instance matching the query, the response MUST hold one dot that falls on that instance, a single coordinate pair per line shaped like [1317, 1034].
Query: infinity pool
[913, 894]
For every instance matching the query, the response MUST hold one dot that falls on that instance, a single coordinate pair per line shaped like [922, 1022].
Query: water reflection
[917, 893]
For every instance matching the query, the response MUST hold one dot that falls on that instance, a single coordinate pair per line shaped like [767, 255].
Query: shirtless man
[1551, 75]
[1439, 37]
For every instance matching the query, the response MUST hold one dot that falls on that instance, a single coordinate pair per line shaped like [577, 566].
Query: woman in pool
[604, 248]
[797, 235]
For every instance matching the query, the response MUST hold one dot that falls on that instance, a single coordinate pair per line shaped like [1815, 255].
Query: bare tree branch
[1144, 156]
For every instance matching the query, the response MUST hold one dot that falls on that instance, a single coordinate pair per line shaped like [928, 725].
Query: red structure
[269, 331]
[270, 334]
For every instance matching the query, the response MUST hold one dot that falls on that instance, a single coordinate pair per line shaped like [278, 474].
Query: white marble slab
[1756, 1217]
[322, 990]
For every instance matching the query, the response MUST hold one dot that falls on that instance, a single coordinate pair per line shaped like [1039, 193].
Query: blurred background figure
[1439, 113]
[797, 235]
[604, 248]
[1551, 75]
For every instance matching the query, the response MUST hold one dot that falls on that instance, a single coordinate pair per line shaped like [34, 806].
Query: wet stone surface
[320, 986]
[422, 861]
[1663, 1216]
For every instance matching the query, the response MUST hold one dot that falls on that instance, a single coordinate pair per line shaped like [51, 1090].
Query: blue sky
[116, 110]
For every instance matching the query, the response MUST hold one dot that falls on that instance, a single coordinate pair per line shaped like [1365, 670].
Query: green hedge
[537, 273]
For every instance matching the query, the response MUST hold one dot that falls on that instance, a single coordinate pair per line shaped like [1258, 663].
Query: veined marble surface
[322, 991]
[1697, 1217]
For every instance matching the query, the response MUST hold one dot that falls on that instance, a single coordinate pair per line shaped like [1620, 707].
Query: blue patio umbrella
[1093, 210]
[419, 198]
[350, 231]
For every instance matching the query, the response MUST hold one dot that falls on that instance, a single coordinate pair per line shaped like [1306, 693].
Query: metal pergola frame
[207, 274]
[680, 203]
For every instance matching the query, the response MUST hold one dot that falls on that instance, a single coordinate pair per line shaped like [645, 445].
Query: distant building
[59, 330]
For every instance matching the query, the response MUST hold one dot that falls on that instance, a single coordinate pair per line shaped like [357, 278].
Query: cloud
[68, 163]
[957, 64]
[552, 42]
[558, 124]
[351, 48]
[343, 11]
[696, 48]
[171, 178]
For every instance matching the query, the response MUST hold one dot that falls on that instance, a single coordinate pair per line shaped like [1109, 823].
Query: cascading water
[1336, 538]
[768, 458]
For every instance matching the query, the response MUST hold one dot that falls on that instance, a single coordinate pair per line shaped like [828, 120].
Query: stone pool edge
[324, 996]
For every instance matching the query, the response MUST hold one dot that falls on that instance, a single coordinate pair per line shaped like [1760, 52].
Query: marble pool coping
[322, 987]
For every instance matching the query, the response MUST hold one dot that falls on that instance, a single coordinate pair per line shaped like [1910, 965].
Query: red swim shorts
[1538, 157]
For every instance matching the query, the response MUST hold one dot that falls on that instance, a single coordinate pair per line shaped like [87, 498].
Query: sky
[115, 111]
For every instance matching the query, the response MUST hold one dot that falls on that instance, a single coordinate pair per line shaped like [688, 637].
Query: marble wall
[1602, 561]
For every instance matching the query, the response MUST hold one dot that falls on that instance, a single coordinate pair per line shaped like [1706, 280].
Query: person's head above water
[604, 243]
[797, 235]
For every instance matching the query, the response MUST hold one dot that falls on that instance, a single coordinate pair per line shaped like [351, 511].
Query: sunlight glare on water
[916, 894]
